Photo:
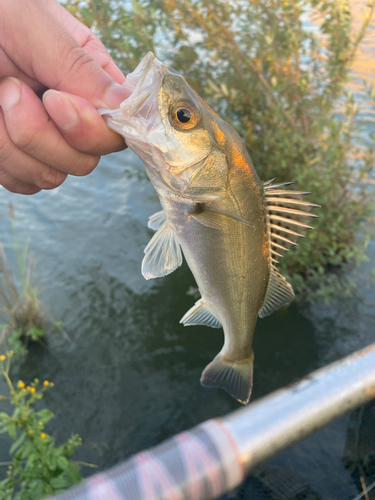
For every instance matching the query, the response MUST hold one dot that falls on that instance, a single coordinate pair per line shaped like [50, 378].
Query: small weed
[24, 316]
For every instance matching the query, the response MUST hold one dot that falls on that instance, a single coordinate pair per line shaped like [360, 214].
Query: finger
[33, 133]
[52, 56]
[16, 186]
[17, 163]
[81, 124]
[8, 68]
[87, 40]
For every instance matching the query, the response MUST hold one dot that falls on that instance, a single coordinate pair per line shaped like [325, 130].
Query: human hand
[43, 47]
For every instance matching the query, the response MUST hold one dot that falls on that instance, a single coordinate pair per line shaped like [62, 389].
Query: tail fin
[235, 377]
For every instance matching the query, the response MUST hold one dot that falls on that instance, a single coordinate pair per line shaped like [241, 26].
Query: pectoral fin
[199, 314]
[216, 218]
[162, 255]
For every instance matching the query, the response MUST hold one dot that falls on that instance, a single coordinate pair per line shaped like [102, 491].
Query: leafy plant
[38, 468]
[278, 72]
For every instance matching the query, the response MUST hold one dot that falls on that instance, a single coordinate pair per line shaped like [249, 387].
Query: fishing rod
[215, 457]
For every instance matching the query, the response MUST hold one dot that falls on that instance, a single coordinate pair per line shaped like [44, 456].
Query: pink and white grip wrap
[200, 464]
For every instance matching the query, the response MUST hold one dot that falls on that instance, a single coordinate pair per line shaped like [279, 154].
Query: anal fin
[162, 254]
[199, 314]
[156, 220]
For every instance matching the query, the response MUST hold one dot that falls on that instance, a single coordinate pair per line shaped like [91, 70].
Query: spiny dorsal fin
[199, 314]
[287, 215]
[162, 254]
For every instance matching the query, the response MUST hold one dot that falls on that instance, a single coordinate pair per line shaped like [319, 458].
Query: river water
[129, 376]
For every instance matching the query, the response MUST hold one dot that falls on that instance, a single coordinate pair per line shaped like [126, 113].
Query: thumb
[50, 54]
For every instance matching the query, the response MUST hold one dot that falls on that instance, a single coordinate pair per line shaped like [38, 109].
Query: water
[129, 377]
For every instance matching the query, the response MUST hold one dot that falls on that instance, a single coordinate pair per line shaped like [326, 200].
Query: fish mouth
[144, 82]
[139, 113]
[138, 118]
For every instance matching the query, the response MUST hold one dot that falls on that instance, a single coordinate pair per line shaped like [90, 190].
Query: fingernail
[114, 96]
[11, 93]
[60, 109]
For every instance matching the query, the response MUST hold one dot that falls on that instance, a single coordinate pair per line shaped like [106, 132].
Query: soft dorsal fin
[287, 215]
[279, 293]
[162, 254]
[199, 314]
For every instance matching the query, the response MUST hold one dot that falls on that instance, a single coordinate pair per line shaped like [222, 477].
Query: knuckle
[6, 153]
[6, 149]
[93, 42]
[78, 59]
[51, 179]
[15, 186]
[107, 63]
[24, 138]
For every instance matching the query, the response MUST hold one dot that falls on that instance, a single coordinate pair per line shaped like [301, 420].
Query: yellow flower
[2, 357]
[40, 423]
[43, 435]
[20, 384]
[45, 383]
[30, 389]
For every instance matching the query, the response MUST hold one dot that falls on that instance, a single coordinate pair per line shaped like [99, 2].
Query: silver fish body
[230, 226]
[230, 264]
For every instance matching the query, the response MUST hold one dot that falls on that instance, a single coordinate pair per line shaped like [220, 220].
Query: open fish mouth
[144, 82]
[139, 114]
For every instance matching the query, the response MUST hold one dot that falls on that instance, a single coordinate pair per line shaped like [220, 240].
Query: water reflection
[363, 67]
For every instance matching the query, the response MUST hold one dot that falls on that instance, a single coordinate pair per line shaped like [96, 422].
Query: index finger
[87, 40]
[52, 56]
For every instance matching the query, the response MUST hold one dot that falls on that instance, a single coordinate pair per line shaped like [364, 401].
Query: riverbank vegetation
[37, 467]
[22, 313]
[23, 316]
[278, 72]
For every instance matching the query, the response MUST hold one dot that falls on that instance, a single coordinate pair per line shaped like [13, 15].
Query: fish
[231, 227]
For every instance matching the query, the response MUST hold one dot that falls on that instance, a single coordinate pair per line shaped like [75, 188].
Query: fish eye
[185, 115]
